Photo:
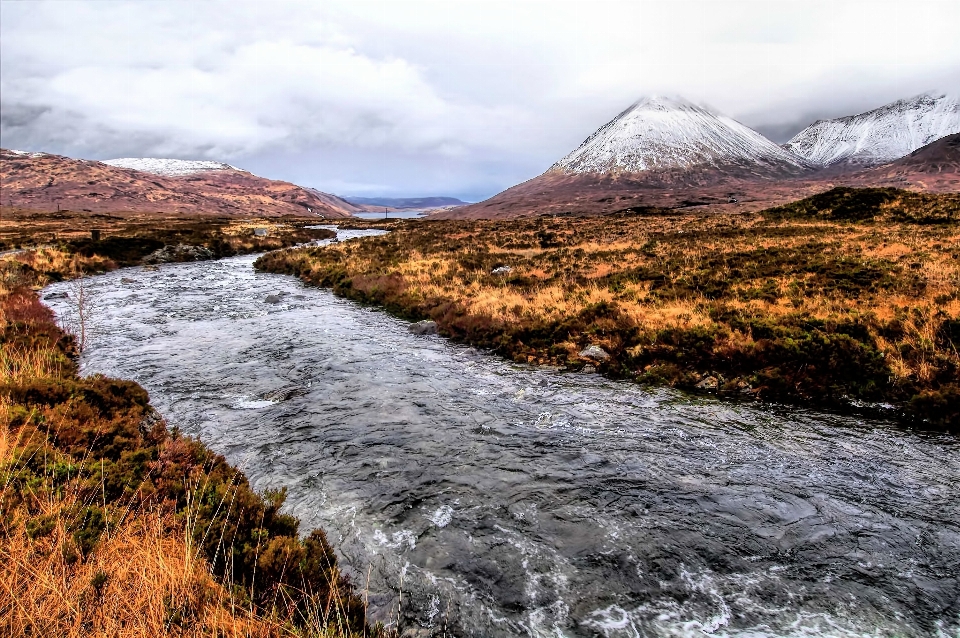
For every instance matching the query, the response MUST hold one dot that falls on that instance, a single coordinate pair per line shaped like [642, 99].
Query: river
[507, 500]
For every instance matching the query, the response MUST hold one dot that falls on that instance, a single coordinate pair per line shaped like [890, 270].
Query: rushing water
[508, 500]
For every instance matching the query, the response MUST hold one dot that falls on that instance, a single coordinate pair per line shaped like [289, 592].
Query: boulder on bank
[709, 383]
[425, 327]
[178, 253]
[594, 352]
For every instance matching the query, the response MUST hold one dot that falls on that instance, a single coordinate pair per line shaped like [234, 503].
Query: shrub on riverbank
[807, 306]
[112, 524]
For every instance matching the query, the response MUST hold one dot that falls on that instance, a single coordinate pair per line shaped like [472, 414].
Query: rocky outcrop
[594, 352]
[178, 253]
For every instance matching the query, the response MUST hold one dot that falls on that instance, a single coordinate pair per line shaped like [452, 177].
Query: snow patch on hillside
[659, 133]
[882, 135]
[170, 167]
[14, 151]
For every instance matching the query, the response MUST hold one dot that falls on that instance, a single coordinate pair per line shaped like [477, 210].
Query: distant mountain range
[667, 152]
[662, 152]
[43, 181]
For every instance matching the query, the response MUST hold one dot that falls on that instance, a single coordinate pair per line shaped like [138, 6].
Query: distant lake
[394, 214]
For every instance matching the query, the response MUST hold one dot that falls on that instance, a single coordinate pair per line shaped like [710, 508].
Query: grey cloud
[14, 116]
[411, 98]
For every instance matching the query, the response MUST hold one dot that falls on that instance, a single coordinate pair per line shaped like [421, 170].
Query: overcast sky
[438, 98]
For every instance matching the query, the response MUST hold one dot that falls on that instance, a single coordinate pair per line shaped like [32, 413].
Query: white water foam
[442, 516]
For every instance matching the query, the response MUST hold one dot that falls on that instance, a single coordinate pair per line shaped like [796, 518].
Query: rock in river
[178, 253]
[284, 393]
[425, 327]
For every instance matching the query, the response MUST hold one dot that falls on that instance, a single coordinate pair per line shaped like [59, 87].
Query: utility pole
[384, 212]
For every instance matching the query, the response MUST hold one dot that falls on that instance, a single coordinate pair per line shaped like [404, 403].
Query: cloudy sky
[462, 98]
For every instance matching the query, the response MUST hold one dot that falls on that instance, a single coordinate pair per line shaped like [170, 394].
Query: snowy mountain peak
[170, 167]
[882, 135]
[661, 132]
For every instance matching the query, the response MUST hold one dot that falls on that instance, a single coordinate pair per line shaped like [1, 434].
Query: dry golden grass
[45, 247]
[562, 287]
[21, 228]
[142, 579]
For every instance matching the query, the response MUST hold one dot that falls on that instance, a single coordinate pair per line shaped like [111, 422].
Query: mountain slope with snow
[170, 167]
[879, 136]
[661, 133]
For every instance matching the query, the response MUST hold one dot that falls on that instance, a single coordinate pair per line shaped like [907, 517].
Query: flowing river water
[504, 500]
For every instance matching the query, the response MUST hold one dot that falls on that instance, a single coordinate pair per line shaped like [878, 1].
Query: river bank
[112, 522]
[844, 300]
[42, 247]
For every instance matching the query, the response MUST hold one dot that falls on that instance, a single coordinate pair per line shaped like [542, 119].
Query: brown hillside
[555, 192]
[41, 181]
[933, 168]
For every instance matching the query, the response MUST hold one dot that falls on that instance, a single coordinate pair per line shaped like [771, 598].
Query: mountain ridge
[880, 135]
[170, 167]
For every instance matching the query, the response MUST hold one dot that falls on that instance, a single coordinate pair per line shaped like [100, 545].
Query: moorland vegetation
[849, 298]
[113, 524]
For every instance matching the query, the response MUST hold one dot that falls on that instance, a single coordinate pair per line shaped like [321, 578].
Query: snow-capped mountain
[664, 133]
[170, 167]
[881, 135]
